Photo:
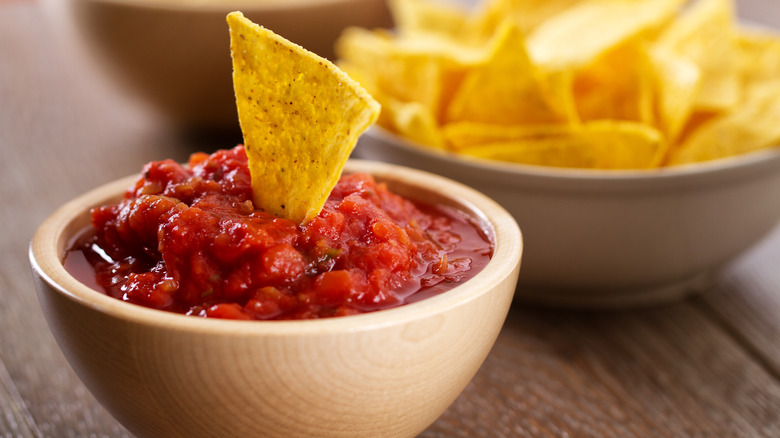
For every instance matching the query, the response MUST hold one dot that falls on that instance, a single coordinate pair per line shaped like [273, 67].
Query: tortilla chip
[527, 15]
[403, 75]
[300, 115]
[438, 17]
[411, 120]
[509, 89]
[617, 86]
[414, 122]
[676, 86]
[594, 145]
[461, 135]
[424, 69]
[580, 34]
[750, 126]
[759, 57]
[706, 35]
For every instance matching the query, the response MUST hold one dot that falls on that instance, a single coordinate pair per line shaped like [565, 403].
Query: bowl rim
[765, 156]
[46, 262]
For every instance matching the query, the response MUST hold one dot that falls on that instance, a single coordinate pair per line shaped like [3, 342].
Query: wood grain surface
[707, 366]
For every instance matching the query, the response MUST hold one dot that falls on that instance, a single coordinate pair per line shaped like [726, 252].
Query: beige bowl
[389, 373]
[621, 238]
[175, 54]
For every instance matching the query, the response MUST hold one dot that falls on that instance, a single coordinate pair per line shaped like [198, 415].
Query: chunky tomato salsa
[188, 239]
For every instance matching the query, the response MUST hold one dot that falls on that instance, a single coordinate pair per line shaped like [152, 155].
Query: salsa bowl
[613, 239]
[389, 373]
[173, 54]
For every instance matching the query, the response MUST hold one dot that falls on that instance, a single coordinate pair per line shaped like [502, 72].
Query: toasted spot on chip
[300, 116]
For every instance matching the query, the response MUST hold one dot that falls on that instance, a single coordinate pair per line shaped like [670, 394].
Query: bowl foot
[614, 299]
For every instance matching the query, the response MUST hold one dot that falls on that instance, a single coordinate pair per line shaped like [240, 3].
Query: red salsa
[188, 239]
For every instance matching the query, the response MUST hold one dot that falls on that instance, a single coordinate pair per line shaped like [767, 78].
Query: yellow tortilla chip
[403, 75]
[750, 126]
[580, 34]
[593, 145]
[300, 115]
[453, 59]
[617, 86]
[461, 135]
[509, 89]
[439, 17]
[411, 120]
[414, 122]
[759, 57]
[525, 14]
[424, 69]
[676, 86]
[706, 35]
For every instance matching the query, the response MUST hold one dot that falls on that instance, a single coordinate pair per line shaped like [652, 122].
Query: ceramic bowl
[175, 54]
[618, 238]
[389, 373]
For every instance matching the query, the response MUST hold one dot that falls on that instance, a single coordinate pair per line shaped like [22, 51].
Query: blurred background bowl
[389, 373]
[617, 238]
[175, 54]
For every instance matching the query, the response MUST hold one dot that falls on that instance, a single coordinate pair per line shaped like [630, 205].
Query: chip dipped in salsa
[188, 239]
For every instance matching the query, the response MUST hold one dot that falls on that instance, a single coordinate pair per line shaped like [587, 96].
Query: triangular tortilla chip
[750, 126]
[676, 86]
[509, 89]
[300, 115]
[578, 35]
[603, 144]
[706, 34]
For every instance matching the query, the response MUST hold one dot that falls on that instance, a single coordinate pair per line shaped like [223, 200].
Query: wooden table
[706, 366]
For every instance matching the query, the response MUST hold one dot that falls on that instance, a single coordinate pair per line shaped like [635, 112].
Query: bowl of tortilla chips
[634, 142]
[173, 53]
